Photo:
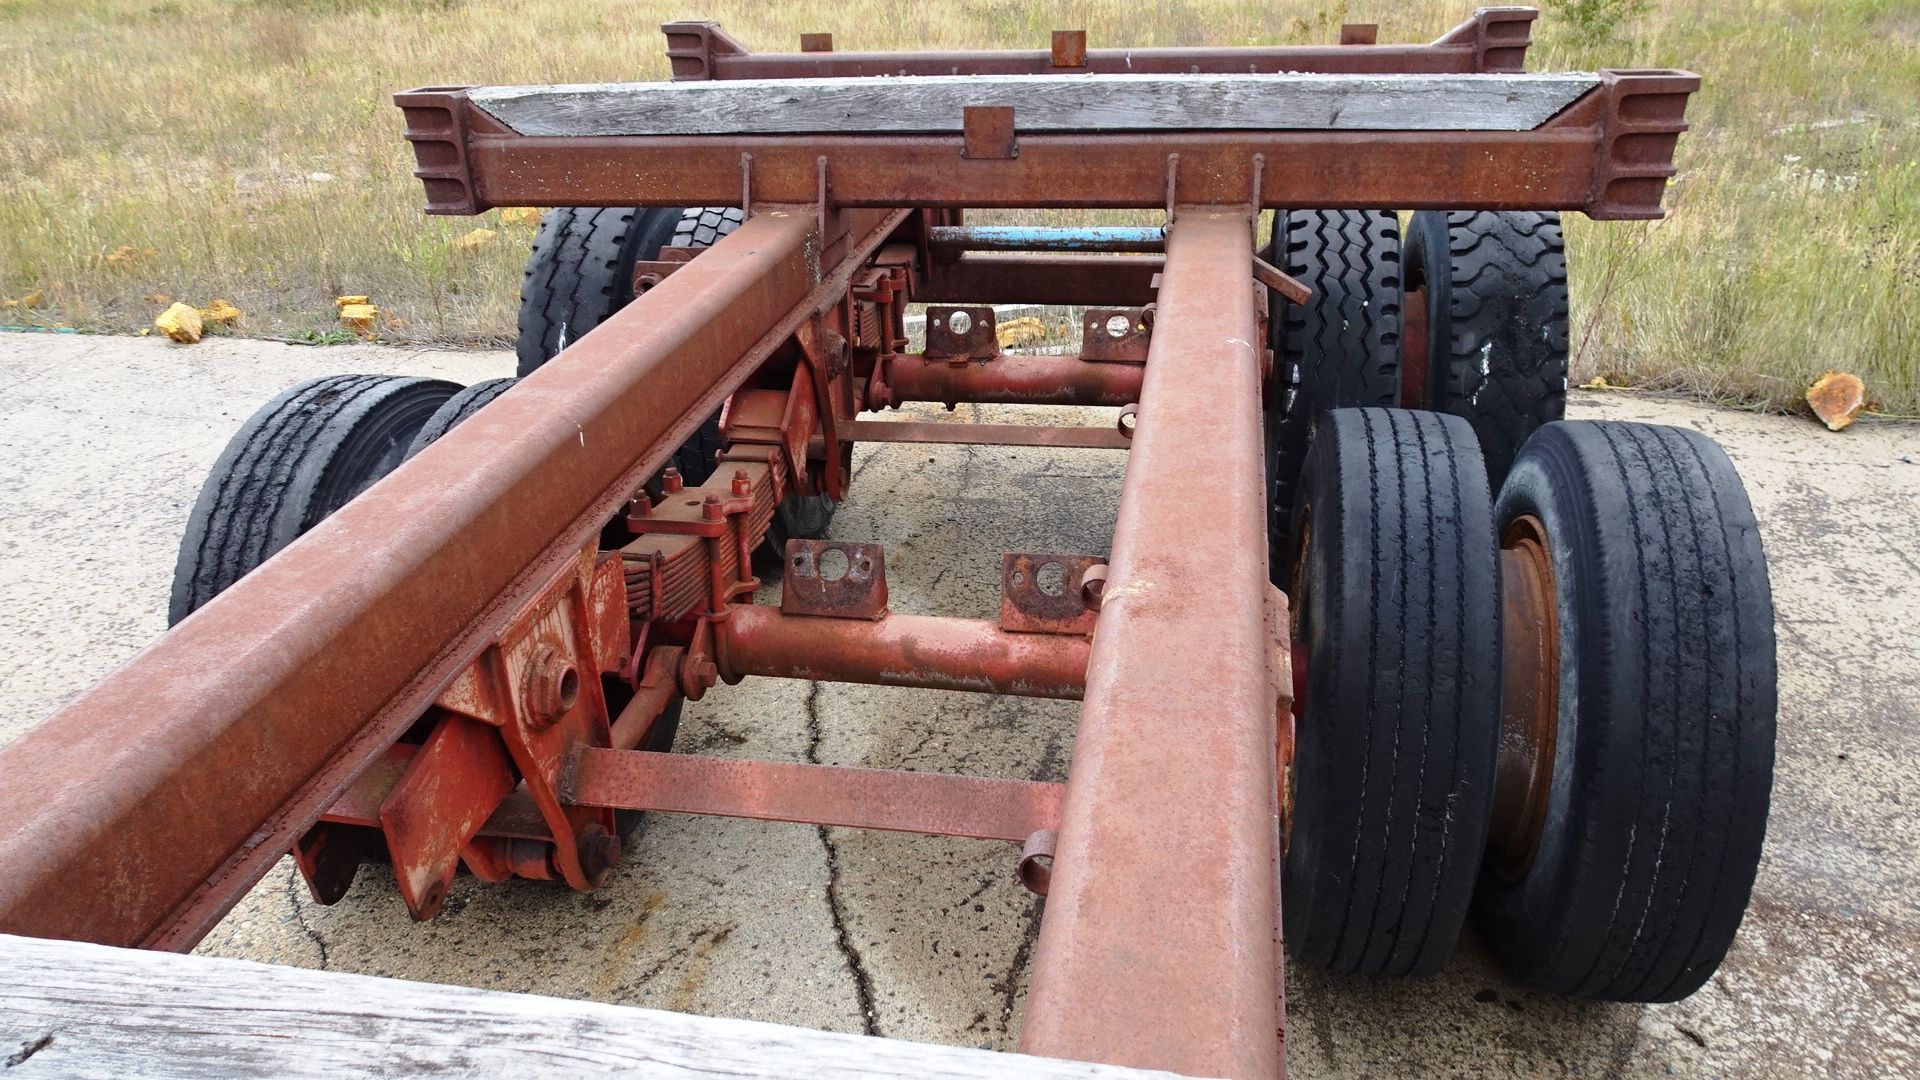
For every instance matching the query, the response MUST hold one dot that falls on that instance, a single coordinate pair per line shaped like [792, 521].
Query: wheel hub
[1530, 697]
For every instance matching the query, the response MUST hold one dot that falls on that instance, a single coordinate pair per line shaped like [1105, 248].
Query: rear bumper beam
[1609, 154]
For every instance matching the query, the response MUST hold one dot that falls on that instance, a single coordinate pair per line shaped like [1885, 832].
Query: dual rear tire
[1461, 312]
[1576, 744]
[581, 271]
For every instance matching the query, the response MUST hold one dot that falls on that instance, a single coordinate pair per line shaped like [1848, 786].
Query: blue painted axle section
[952, 238]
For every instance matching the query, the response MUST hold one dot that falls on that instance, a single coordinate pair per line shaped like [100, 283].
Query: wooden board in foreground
[1088, 103]
[70, 1009]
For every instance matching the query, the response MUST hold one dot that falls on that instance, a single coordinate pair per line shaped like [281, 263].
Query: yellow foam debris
[1837, 398]
[220, 313]
[474, 240]
[1021, 331]
[31, 300]
[341, 302]
[520, 215]
[359, 318]
[181, 322]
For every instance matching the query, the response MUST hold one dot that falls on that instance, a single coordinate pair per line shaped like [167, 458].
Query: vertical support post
[1160, 944]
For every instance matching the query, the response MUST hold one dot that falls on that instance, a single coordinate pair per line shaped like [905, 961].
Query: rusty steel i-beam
[1172, 807]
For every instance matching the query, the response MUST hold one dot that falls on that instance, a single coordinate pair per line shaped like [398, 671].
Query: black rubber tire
[581, 272]
[1496, 296]
[298, 459]
[458, 408]
[1341, 349]
[628, 824]
[1664, 757]
[703, 226]
[1396, 597]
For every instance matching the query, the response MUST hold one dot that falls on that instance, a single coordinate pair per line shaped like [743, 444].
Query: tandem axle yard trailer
[1381, 641]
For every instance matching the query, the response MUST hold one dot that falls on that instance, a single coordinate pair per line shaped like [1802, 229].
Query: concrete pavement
[104, 443]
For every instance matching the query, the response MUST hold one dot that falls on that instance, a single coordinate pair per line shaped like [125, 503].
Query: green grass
[251, 144]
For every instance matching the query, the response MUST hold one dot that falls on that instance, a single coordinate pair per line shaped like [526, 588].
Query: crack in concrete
[1008, 985]
[856, 965]
[300, 918]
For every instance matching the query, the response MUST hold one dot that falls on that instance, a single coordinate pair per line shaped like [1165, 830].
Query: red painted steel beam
[900, 650]
[915, 802]
[1160, 944]
[143, 810]
[1014, 380]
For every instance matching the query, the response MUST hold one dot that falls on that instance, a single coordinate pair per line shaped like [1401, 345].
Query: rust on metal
[903, 431]
[1492, 40]
[1076, 280]
[1609, 153]
[450, 789]
[1036, 861]
[430, 677]
[1042, 594]
[352, 630]
[1529, 696]
[961, 332]
[1119, 335]
[889, 800]
[988, 133]
[928, 651]
[1359, 33]
[835, 579]
[1416, 344]
[1069, 49]
[1007, 380]
[1295, 290]
[1165, 817]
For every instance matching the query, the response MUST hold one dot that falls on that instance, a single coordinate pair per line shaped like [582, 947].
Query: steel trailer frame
[466, 599]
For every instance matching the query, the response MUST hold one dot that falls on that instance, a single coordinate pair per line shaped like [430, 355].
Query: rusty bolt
[741, 485]
[711, 509]
[640, 505]
[697, 676]
[552, 687]
[599, 850]
[670, 480]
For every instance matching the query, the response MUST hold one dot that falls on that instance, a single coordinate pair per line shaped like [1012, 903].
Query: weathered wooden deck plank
[1086, 103]
[71, 1009]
